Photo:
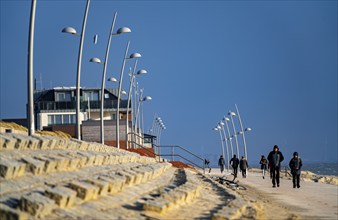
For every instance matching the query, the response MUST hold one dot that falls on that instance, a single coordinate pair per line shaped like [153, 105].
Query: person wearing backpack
[295, 165]
[263, 162]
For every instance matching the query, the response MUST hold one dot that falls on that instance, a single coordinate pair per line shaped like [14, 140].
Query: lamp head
[232, 113]
[123, 30]
[248, 129]
[226, 119]
[95, 60]
[69, 30]
[141, 72]
[112, 79]
[135, 55]
[146, 98]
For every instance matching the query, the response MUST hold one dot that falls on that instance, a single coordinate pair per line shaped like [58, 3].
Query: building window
[66, 119]
[63, 97]
[92, 95]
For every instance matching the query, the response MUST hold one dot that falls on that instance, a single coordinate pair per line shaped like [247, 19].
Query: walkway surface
[311, 201]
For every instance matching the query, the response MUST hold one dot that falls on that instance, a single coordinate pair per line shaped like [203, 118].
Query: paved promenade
[311, 201]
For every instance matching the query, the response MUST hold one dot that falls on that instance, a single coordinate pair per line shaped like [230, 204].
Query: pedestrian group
[271, 163]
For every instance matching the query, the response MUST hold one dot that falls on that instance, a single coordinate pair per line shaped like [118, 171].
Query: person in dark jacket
[275, 158]
[263, 162]
[243, 165]
[221, 163]
[234, 162]
[295, 165]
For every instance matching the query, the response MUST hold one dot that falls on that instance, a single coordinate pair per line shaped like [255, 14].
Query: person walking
[275, 158]
[206, 164]
[221, 163]
[234, 162]
[263, 162]
[243, 165]
[295, 165]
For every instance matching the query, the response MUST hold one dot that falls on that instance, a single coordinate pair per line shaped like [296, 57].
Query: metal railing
[69, 105]
[172, 154]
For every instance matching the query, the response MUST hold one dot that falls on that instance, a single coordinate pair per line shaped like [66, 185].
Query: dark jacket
[243, 164]
[295, 165]
[221, 162]
[275, 158]
[234, 162]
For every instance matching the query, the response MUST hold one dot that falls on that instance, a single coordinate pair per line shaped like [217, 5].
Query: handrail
[174, 146]
[182, 158]
[185, 150]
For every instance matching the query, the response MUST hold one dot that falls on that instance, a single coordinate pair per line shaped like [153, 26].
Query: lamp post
[96, 60]
[221, 124]
[72, 31]
[30, 94]
[146, 98]
[218, 128]
[132, 56]
[234, 129]
[226, 119]
[242, 131]
[132, 78]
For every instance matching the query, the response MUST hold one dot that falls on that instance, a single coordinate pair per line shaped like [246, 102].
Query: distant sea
[321, 168]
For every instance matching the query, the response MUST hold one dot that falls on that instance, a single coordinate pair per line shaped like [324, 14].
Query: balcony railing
[55, 106]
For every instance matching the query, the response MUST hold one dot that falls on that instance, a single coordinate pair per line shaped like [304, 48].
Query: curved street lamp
[234, 130]
[221, 124]
[132, 78]
[218, 128]
[242, 132]
[30, 72]
[137, 117]
[72, 31]
[226, 119]
[132, 56]
[97, 60]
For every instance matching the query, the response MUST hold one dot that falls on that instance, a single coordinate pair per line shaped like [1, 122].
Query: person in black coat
[234, 162]
[221, 163]
[295, 165]
[275, 158]
[243, 165]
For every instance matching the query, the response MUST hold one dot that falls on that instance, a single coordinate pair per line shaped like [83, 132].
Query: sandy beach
[313, 200]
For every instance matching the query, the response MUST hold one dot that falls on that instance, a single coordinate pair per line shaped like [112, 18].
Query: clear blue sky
[277, 60]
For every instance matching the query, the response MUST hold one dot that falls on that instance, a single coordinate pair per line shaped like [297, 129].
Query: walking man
[243, 165]
[275, 158]
[234, 162]
[221, 163]
[295, 165]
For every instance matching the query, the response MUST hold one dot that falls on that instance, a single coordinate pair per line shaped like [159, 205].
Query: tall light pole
[218, 128]
[234, 129]
[240, 122]
[96, 60]
[226, 119]
[221, 124]
[132, 78]
[71, 30]
[145, 98]
[132, 56]
[30, 94]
